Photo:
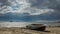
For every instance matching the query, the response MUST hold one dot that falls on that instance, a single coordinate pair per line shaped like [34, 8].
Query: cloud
[4, 4]
[46, 4]
[33, 7]
[43, 4]
[26, 7]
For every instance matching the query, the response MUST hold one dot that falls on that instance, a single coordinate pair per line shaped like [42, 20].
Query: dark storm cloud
[52, 4]
[4, 3]
[38, 3]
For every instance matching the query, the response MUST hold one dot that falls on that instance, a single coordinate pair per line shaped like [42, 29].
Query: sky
[29, 10]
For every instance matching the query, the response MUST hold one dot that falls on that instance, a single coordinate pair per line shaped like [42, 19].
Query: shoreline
[22, 30]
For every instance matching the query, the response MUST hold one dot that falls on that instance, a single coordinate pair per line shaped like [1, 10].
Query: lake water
[23, 24]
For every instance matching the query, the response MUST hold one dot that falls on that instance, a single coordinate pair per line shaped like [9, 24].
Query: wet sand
[49, 30]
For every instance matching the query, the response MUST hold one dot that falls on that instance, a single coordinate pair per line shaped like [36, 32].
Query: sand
[49, 30]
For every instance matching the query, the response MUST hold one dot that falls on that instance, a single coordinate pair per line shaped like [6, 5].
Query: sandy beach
[49, 30]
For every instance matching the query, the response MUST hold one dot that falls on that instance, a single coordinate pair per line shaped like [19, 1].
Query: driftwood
[40, 27]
